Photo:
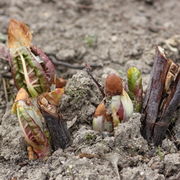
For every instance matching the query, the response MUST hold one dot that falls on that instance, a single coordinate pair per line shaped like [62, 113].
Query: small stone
[114, 39]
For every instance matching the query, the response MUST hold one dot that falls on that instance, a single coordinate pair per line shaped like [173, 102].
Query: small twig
[88, 70]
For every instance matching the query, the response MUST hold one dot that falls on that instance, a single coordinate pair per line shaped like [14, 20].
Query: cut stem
[162, 98]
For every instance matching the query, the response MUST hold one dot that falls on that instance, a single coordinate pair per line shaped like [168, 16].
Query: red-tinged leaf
[46, 63]
[33, 126]
[31, 68]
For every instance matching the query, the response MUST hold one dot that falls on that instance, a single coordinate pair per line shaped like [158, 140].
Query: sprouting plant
[135, 89]
[33, 125]
[116, 107]
[120, 105]
[160, 152]
[40, 91]
[90, 40]
[31, 68]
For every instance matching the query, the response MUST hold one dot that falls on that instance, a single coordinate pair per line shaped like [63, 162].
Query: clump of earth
[113, 35]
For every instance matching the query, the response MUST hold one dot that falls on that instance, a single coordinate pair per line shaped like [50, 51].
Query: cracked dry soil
[116, 34]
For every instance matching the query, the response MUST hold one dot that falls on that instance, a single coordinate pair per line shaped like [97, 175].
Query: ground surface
[114, 34]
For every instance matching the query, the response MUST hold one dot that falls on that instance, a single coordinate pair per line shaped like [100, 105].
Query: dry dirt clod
[81, 96]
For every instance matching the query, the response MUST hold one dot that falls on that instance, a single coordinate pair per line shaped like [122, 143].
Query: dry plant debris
[162, 98]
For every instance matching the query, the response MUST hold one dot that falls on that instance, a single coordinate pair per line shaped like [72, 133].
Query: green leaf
[135, 89]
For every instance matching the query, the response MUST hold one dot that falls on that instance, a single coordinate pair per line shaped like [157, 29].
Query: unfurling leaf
[32, 124]
[117, 106]
[22, 95]
[121, 108]
[31, 68]
[135, 89]
[28, 73]
[34, 75]
[45, 62]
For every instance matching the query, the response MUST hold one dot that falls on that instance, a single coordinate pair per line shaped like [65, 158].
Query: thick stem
[154, 93]
[167, 115]
[161, 99]
[60, 136]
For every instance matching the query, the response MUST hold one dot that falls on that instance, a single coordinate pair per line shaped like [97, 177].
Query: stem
[162, 98]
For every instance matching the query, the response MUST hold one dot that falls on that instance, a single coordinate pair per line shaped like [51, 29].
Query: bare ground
[115, 34]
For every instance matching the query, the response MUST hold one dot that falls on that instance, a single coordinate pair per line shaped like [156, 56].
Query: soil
[114, 35]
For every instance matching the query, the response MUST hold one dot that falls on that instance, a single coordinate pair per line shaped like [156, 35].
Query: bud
[102, 121]
[32, 124]
[31, 68]
[135, 89]
[117, 106]
[113, 85]
[118, 103]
